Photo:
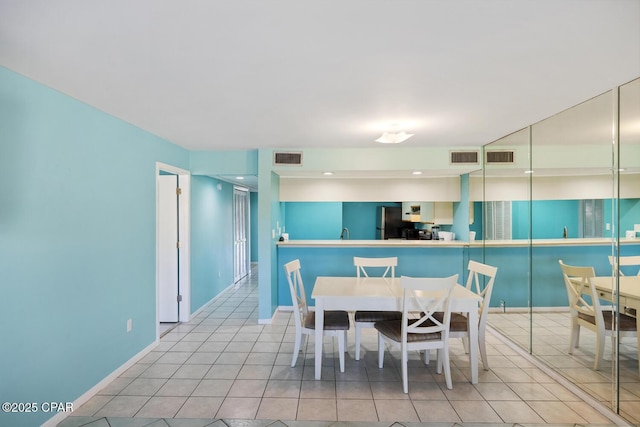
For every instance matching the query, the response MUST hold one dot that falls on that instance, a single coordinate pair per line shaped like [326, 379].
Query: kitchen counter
[552, 242]
[453, 243]
[437, 258]
[373, 243]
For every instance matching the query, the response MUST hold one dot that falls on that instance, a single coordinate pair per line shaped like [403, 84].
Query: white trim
[184, 181]
[270, 321]
[60, 416]
[527, 309]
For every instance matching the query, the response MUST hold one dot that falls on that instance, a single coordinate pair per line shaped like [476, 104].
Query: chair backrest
[625, 261]
[362, 264]
[578, 283]
[479, 273]
[427, 304]
[298, 296]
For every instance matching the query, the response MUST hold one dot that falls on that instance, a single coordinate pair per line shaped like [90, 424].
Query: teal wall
[629, 214]
[211, 239]
[313, 220]
[77, 243]
[338, 261]
[325, 220]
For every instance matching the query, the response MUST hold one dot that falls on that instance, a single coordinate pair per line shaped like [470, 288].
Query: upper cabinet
[428, 212]
[440, 213]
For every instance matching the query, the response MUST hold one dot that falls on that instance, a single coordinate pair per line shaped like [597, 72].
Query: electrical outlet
[607, 226]
[129, 325]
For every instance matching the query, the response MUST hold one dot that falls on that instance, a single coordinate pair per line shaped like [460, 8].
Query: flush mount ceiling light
[394, 135]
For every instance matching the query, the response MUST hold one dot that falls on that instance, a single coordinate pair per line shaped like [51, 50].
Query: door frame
[184, 230]
[247, 231]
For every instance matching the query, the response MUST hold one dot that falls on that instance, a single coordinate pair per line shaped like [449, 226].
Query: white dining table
[384, 294]
[628, 291]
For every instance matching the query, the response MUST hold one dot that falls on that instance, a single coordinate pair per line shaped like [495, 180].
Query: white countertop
[375, 243]
[453, 243]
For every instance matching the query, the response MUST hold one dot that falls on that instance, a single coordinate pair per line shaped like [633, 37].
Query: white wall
[369, 190]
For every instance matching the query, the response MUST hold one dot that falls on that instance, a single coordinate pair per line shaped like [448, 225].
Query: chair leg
[483, 351]
[358, 327]
[447, 366]
[575, 336]
[439, 361]
[405, 374]
[380, 352]
[465, 344]
[341, 341]
[426, 357]
[599, 351]
[296, 350]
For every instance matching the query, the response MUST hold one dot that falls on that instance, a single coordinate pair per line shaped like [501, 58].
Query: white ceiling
[243, 74]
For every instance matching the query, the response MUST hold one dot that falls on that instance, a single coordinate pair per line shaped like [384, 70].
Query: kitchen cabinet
[428, 212]
[411, 211]
[436, 212]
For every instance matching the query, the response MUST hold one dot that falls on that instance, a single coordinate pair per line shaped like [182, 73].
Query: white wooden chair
[367, 319]
[478, 273]
[625, 262]
[587, 312]
[336, 323]
[425, 333]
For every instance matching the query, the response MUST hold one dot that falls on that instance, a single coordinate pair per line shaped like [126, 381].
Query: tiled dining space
[223, 368]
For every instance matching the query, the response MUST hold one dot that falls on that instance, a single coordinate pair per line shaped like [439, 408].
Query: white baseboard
[56, 419]
[270, 321]
[527, 309]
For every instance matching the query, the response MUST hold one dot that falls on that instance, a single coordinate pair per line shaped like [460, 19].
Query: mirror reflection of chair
[367, 319]
[621, 265]
[478, 273]
[425, 333]
[336, 323]
[585, 308]
[625, 261]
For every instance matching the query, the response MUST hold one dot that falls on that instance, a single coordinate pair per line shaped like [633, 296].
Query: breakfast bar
[429, 258]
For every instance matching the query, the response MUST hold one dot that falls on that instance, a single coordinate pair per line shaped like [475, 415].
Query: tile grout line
[596, 404]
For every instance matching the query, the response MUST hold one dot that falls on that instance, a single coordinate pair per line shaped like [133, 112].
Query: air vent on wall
[500, 156]
[287, 158]
[463, 157]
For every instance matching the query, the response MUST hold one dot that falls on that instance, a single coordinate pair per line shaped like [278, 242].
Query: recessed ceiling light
[528, 171]
[240, 177]
[327, 173]
[416, 173]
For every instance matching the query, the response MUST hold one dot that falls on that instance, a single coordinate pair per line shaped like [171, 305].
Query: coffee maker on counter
[435, 230]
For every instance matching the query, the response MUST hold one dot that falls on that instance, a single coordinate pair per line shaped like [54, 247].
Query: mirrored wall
[567, 188]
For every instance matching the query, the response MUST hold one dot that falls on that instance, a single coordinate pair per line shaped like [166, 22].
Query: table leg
[473, 345]
[319, 333]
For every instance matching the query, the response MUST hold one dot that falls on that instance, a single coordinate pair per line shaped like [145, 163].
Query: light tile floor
[223, 368]
[551, 344]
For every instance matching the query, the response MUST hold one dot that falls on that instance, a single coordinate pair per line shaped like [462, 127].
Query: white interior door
[168, 252]
[241, 215]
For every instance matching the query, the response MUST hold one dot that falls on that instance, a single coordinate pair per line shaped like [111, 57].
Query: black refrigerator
[389, 223]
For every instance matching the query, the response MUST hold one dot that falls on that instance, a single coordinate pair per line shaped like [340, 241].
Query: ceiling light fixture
[394, 136]
[327, 173]
[417, 173]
